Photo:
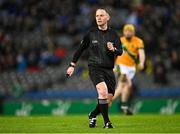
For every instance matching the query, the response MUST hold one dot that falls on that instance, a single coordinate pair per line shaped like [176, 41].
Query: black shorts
[98, 75]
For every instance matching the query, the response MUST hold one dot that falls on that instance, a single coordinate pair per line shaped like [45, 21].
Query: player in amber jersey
[133, 58]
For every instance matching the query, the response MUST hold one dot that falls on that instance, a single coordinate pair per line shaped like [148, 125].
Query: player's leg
[127, 74]
[126, 92]
[110, 98]
[123, 91]
[120, 81]
[119, 88]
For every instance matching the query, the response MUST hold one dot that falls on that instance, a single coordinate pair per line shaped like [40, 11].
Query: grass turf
[79, 124]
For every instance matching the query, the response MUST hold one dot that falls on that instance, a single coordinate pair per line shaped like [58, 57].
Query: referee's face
[102, 17]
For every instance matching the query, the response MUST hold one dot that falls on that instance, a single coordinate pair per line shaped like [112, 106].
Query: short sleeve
[141, 44]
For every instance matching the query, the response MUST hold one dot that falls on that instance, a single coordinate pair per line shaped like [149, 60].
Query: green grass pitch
[79, 124]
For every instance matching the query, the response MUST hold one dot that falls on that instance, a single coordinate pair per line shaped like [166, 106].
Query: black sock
[103, 107]
[96, 111]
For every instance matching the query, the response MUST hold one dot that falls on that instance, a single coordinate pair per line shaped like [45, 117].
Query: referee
[104, 46]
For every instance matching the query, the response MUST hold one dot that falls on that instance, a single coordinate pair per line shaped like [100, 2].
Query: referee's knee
[102, 91]
[102, 94]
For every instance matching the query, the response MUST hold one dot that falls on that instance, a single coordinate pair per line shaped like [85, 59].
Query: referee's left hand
[110, 46]
[70, 71]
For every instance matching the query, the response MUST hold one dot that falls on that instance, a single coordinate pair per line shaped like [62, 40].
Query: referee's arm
[117, 46]
[84, 44]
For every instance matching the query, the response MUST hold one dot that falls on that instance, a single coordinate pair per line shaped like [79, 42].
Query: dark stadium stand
[38, 38]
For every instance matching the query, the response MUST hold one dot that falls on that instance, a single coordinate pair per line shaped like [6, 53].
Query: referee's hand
[110, 46]
[70, 71]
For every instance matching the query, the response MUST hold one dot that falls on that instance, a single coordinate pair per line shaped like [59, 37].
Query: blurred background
[38, 39]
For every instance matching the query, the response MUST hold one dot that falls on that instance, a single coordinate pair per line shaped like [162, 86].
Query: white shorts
[127, 70]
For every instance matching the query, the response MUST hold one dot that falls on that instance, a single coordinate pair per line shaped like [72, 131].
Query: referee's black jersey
[96, 43]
